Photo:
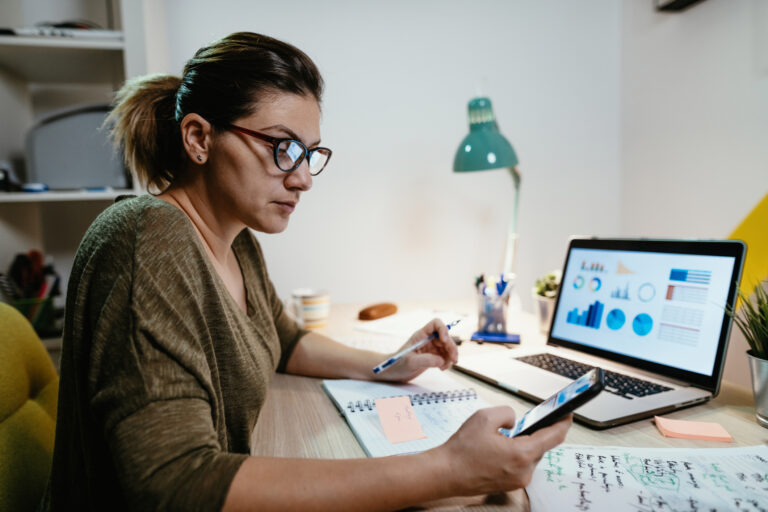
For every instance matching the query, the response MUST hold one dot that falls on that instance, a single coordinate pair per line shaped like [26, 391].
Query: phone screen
[561, 403]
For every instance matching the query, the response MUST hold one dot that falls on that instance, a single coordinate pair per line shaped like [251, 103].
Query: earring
[199, 158]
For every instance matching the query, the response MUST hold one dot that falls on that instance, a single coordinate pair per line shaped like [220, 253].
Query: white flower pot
[544, 307]
[759, 370]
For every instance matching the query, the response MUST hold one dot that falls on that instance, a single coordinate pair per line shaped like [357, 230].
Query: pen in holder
[493, 305]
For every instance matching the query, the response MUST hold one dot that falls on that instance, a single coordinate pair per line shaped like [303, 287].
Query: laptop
[650, 313]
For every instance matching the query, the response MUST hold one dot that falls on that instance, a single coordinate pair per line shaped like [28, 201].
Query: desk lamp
[484, 149]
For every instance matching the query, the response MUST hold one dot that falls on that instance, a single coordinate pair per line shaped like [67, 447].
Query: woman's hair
[224, 81]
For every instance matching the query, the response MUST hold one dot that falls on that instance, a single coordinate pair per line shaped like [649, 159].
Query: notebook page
[439, 419]
[584, 478]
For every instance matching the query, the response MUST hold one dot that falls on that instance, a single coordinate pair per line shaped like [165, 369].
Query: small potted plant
[544, 293]
[752, 321]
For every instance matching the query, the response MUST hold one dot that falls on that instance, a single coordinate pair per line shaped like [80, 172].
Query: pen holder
[39, 312]
[492, 312]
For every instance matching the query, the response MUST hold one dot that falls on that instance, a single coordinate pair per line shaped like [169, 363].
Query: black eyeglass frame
[276, 141]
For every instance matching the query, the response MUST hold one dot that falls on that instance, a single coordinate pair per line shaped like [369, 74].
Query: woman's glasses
[290, 153]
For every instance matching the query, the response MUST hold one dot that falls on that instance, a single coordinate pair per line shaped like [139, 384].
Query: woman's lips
[286, 206]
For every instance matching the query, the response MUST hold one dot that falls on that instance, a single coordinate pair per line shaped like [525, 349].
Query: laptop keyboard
[616, 383]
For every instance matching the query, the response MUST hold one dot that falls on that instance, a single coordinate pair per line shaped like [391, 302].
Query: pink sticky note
[399, 419]
[703, 430]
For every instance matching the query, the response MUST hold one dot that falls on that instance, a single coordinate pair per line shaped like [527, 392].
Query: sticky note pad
[399, 419]
[703, 430]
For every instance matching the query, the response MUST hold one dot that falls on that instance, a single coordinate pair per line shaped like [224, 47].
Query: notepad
[441, 404]
[702, 430]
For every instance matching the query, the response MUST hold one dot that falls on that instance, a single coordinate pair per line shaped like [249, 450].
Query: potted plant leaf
[544, 293]
[752, 321]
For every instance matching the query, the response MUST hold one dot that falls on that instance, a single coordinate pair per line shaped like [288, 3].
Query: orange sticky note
[703, 430]
[399, 419]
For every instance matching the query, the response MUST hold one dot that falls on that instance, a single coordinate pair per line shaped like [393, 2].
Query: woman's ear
[196, 137]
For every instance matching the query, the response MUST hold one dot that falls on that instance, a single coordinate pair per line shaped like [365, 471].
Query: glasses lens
[317, 160]
[290, 153]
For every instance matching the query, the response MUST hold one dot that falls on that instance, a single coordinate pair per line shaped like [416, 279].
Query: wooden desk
[299, 420]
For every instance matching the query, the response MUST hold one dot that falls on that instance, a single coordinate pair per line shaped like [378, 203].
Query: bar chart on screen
[591, 317]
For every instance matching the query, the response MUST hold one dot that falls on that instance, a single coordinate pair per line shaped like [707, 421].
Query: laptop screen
[659, 305]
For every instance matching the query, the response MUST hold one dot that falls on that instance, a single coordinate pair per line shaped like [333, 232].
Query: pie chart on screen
[642, 324]
[615, 319]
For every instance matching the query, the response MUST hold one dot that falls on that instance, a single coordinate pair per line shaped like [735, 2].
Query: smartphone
[554, 408]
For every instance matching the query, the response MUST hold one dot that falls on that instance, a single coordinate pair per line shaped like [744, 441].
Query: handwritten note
[597, 478]
[398, 419]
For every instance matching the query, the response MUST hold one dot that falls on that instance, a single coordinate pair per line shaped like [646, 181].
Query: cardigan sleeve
[150, 385]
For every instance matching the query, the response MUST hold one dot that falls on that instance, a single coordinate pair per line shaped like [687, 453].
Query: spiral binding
[432, 397]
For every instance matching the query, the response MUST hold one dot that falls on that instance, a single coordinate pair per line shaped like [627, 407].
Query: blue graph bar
[592, 317]
[598, 316]
[690, 276]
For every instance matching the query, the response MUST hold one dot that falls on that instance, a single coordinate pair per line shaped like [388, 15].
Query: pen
[395, 358]
[501, 285]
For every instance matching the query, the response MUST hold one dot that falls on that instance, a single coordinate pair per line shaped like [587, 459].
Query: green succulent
[547, 285]
[752, 321]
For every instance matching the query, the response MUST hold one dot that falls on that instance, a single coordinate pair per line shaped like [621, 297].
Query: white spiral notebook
[441, 404]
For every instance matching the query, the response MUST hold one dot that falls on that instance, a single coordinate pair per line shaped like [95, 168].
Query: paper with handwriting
[610, 478]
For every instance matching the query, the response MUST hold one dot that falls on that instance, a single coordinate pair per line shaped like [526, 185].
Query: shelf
[62, 60]
[52, 343]
[66, 195]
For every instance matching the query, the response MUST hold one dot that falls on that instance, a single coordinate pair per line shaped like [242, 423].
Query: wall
[388, 220]
[694, 100]
[626, 121]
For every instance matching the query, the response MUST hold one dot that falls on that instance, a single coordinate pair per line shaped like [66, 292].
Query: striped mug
[311, 308]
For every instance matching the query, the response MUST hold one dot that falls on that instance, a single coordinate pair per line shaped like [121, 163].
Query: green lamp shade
[484, 147]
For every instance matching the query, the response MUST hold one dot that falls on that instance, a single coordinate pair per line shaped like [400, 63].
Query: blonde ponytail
[143, 126]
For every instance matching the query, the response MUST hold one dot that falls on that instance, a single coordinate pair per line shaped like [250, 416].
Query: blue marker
[395, 358]
[501, 285]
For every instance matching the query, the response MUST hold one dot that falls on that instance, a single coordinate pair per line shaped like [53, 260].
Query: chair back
[29, 389]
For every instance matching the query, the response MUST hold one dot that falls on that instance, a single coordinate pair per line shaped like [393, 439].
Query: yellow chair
[29, 390]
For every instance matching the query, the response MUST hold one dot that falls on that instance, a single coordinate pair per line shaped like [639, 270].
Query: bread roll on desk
[377, 311]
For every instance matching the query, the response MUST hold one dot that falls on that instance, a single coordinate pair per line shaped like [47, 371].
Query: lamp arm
[516, 180]
[510, 252]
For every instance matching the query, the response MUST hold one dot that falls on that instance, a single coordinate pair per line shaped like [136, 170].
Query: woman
[174, 330]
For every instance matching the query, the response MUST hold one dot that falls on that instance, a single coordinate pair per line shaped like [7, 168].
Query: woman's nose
[300, 178]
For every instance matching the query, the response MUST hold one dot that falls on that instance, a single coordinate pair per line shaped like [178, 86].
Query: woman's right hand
[482, 461]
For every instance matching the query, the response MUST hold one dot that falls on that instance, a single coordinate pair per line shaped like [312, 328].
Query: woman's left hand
[441, 352]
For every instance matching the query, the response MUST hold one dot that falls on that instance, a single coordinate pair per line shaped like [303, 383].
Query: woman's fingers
[442, 344]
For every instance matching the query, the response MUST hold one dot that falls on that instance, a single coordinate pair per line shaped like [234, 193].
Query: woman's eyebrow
[290, 133]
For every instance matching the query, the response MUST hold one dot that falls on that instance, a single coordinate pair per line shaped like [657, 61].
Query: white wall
[694, 99]
[388, 220]
[626, 121]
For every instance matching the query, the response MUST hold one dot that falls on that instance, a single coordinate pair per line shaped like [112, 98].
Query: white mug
[311, 308]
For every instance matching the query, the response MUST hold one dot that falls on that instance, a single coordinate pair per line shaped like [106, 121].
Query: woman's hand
[484, 461]
[440, 352]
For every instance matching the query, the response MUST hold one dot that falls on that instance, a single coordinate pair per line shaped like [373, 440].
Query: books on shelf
[68, 33]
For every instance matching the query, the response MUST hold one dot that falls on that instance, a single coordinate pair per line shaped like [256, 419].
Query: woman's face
[245, 178]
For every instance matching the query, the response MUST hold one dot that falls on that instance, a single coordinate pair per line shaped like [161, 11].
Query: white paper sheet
[403, 325]
[609, 478]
